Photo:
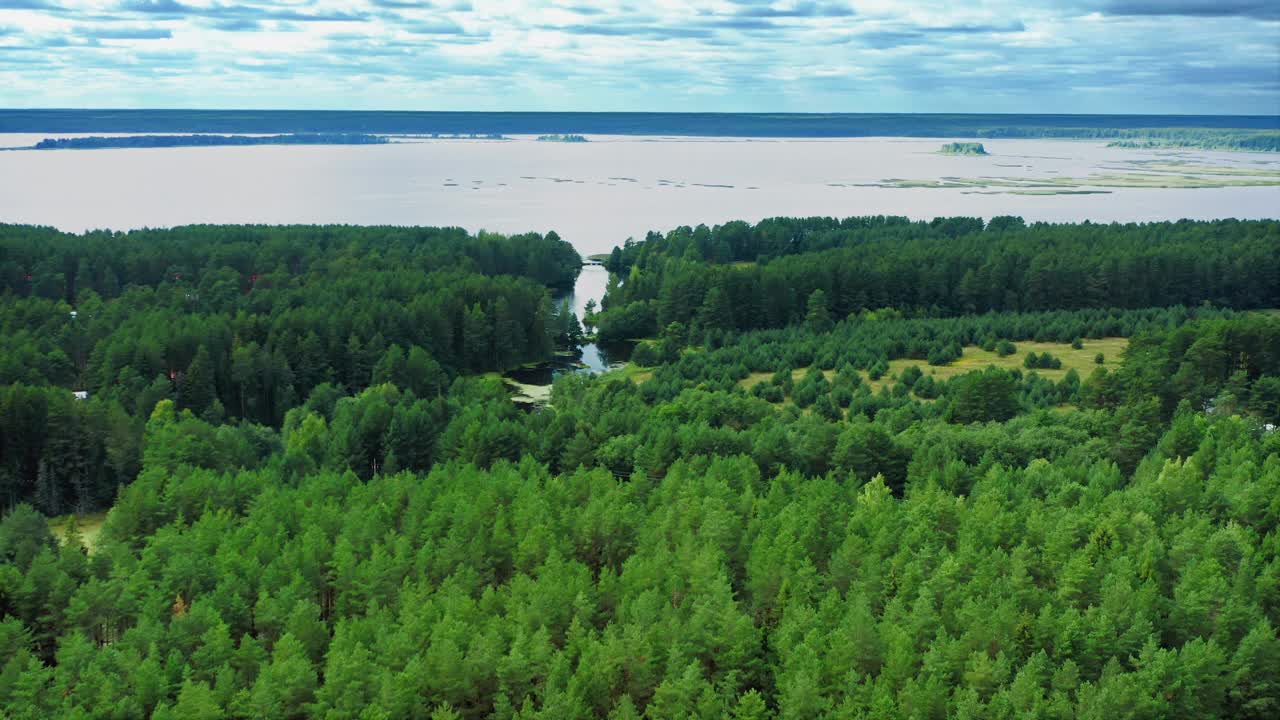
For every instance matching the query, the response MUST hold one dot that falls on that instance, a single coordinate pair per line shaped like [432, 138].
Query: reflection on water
[591, 284]
[591, 358]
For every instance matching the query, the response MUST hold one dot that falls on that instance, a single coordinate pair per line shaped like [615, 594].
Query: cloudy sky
[1105, 56]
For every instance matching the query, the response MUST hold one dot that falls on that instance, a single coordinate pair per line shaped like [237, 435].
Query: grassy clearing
[630, 371]
[797, 375]
[975, 358]
[90, 528]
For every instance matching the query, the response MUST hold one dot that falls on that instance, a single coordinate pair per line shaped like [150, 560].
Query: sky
[1024, 56]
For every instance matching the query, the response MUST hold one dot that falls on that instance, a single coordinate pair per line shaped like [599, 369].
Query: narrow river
[591, 284]
[594, 358]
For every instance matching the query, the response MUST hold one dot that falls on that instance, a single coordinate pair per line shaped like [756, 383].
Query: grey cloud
[359, 49]
[173, 8]
[1045, 70]
[158, 7]
[1013, 27]
[165, 57]
[295, 16]
[156, 63]
[1266, 77]
[66, 42]
[882, 39]
[237, 25]
[126, 33]
[800, 10]
[340, 62]
[23, 56]
[652, 32]
[27, 5]
[740, 23]
[890, 37]
[1262, 9]
[433, 27]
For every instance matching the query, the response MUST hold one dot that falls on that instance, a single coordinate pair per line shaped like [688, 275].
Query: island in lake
[963, 148]
[163, 141]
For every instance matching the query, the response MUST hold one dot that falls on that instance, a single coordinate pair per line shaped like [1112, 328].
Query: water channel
[531, 384]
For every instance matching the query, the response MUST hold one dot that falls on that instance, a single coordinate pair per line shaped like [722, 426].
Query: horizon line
[630, 112]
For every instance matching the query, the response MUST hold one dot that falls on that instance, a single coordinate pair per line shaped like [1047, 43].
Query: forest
[1234, 132]
[802, 498]
[97, 142]
[739, 276]
[241, 324]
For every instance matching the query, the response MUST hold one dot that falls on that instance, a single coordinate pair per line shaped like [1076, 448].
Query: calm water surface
[594, 194]
[591, 285]
[593, 358]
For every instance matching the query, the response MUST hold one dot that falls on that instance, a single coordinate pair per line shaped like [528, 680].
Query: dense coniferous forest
[804, 497]
[739, 276]
[240, 324]
[162, 141]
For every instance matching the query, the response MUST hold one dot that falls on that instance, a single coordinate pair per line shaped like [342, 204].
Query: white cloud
[790, 55]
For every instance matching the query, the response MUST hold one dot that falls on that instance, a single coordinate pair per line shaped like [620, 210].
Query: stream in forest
[532, 384]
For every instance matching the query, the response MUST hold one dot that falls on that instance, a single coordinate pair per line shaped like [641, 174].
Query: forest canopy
[805, 497]
[95, 142]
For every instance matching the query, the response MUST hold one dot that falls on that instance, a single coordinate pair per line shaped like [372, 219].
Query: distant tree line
[163, 141]
[737, 276]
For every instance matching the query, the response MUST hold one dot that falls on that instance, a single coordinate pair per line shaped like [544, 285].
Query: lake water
[595, 194]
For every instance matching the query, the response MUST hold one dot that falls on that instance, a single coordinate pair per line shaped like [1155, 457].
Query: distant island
[164, 141]
[563, 138]
[963, 148]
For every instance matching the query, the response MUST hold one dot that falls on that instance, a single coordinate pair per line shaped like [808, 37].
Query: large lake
[596, 194]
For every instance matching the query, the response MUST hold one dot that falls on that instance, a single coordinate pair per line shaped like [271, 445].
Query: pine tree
[477, 340]
[423, 375]
[390, 368]
[287, 685]
[508, 336]
[715, 314]
[817, 317]
[196, 389]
